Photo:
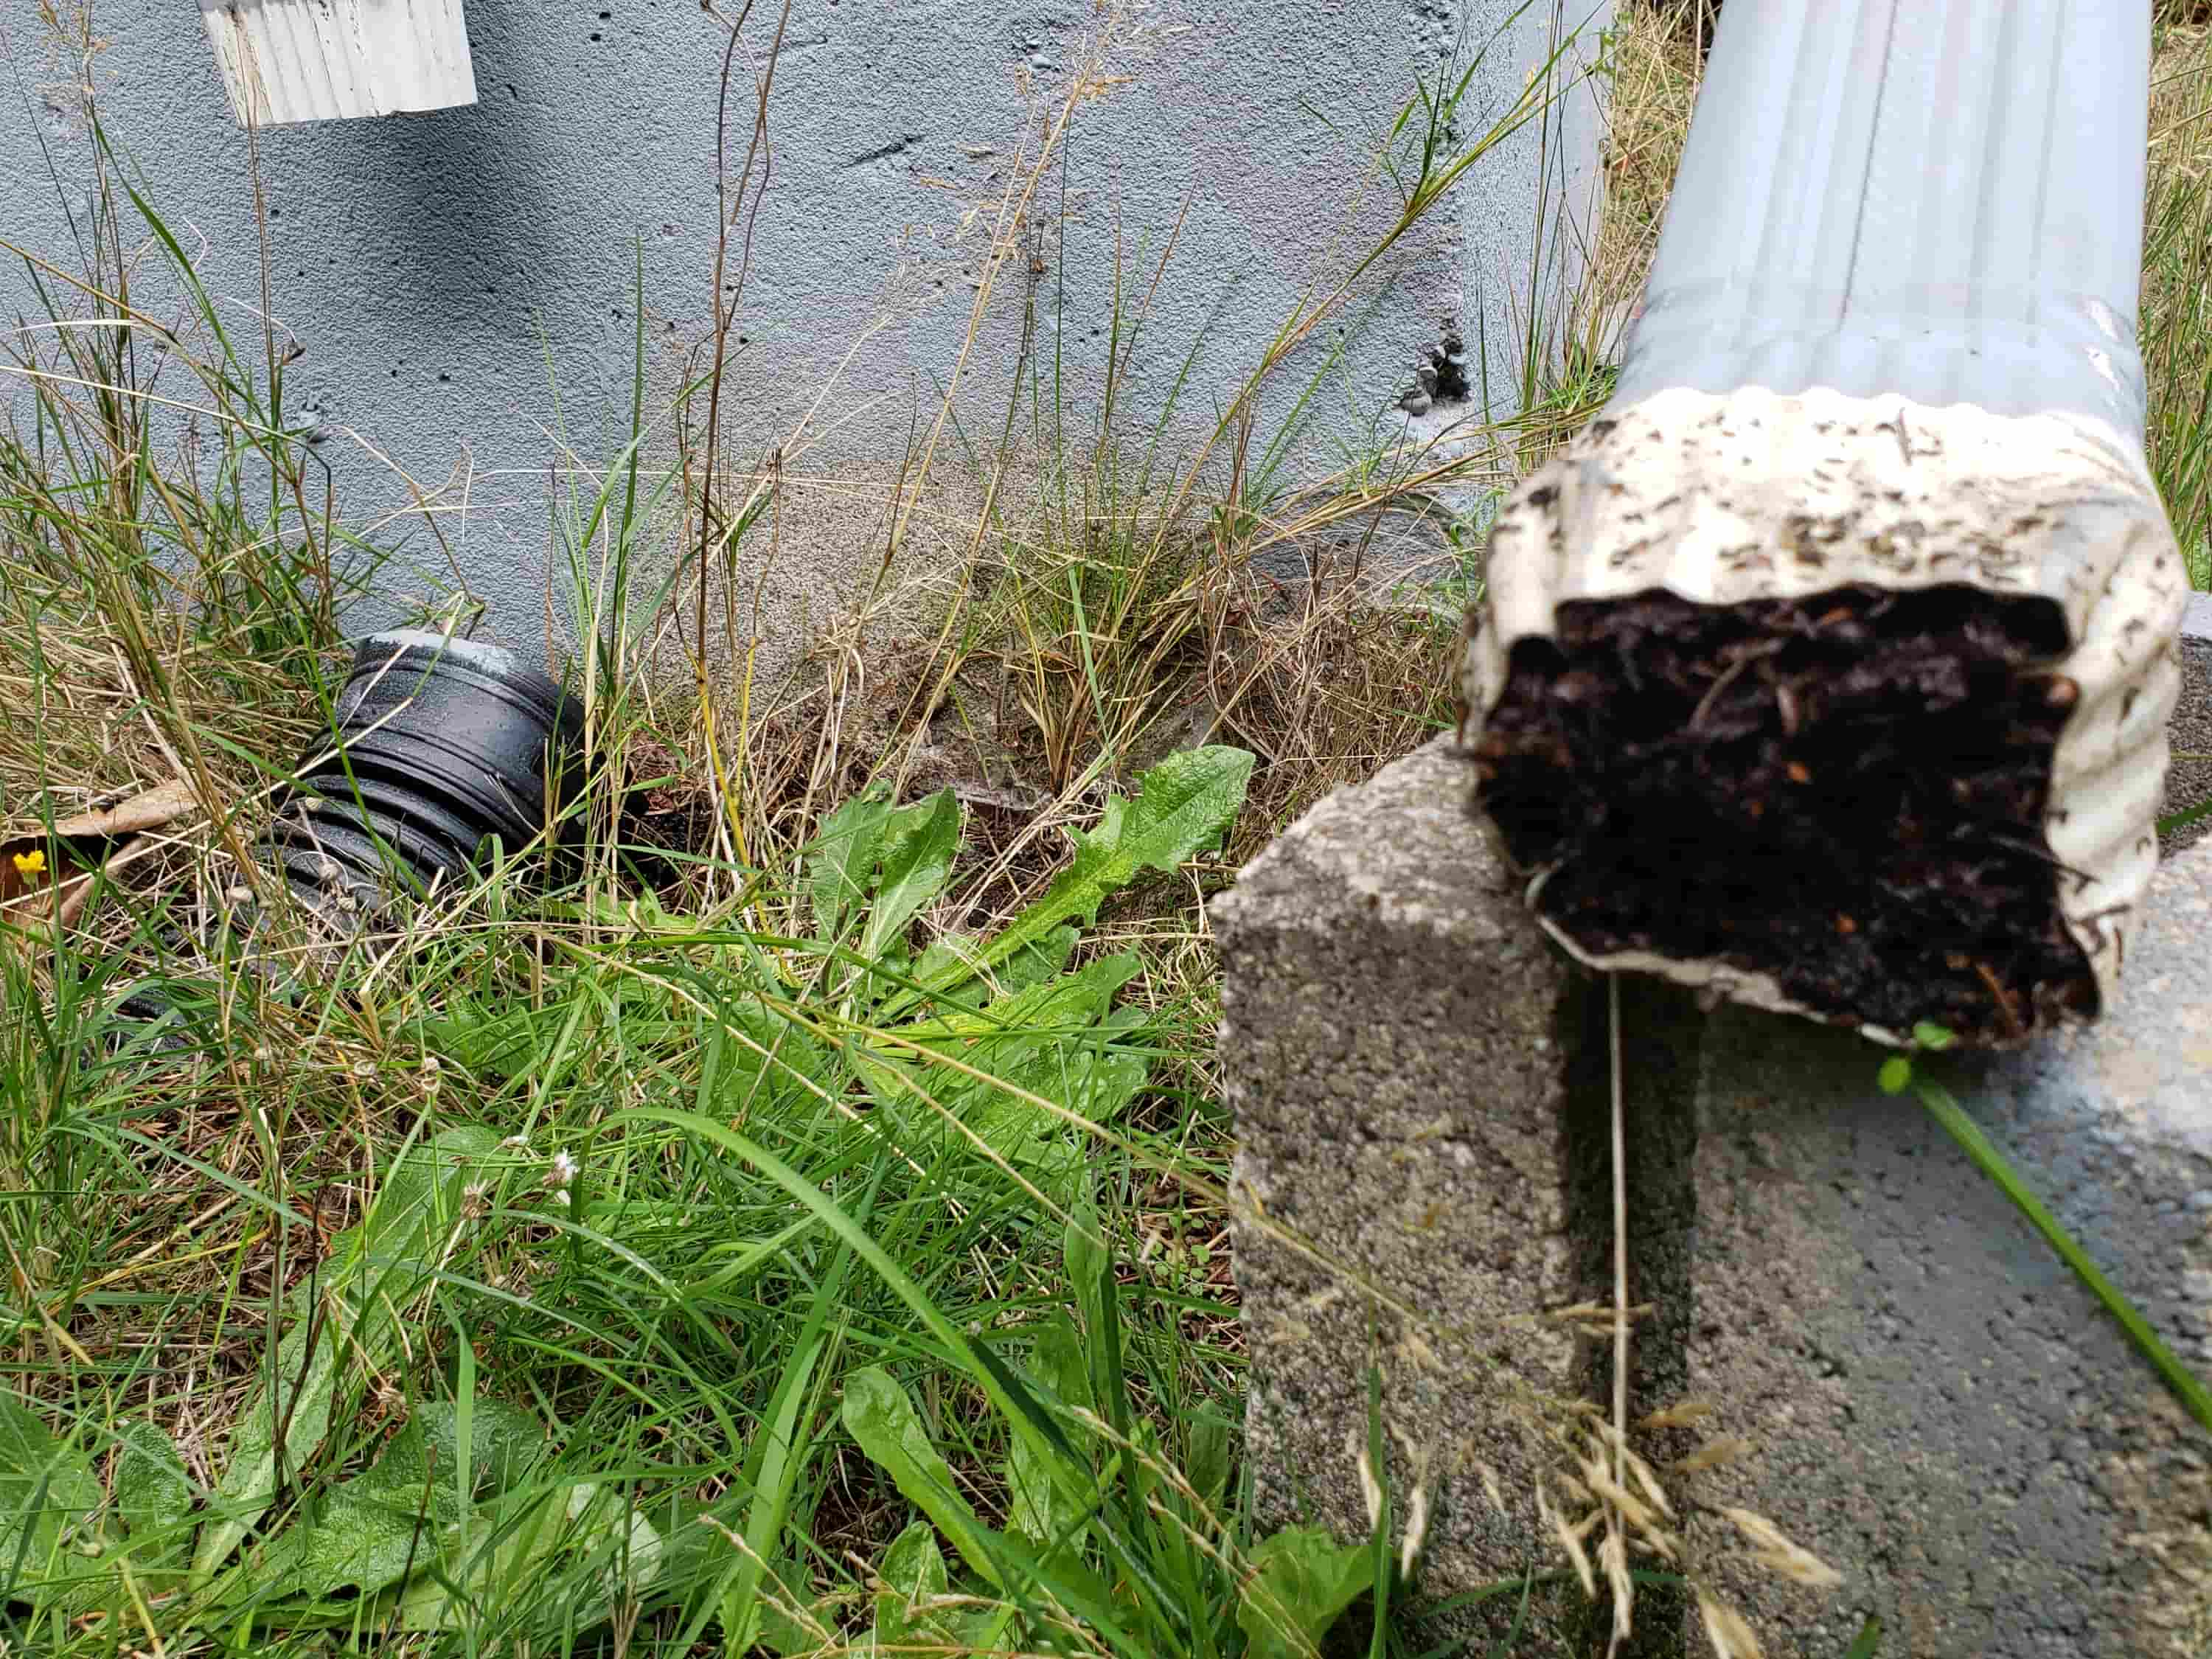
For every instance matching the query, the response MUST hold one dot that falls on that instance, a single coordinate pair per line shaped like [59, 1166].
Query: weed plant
[791, 1220]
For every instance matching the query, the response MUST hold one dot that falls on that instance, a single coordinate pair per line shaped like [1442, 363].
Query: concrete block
[1392, 1041]
[1935, 1407]
[1938, 1408]
[2189, 779]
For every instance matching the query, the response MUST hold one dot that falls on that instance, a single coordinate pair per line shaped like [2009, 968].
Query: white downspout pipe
[1886, 355]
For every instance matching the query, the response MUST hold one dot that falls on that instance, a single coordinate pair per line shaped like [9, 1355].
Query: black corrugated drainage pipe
[441, 745]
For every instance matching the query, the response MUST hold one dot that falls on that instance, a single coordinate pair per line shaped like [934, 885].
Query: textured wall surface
[447, 270]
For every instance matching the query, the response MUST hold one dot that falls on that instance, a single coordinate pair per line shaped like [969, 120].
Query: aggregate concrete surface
[1933, 1403]
[1941, 1410]
[1390, 1042]
[2189, 779]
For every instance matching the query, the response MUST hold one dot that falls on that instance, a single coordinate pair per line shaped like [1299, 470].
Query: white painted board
[329, 60]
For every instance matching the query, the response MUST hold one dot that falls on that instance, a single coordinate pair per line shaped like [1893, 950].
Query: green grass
[793, 1220]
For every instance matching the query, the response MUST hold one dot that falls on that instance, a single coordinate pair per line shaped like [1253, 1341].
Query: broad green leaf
[641, 912]
[883, 1421]
[842, 863]
[1189, 801]
[295, 1393]
[48, 1494]
[914, 1576]
[1304, 1580]
[1035, 962]
[504, 1444]
[1055, 1041]
[363, 1535]
[508, 1042]
[962, 954]
[494, 1554]
[499, 1554]
[1206, 1465]
[986, 1631]
[152, 1495]
[918, 847]
[1059, 1361]
[376, 1270]
[1093, 1081]
[692, 1551]
[1095, 1086]
[783, 1634]
[1035, 1506]
[419, 1200]
[1059, 1007]
[618, 1550]
[752, 1053]
[1097, 1297]
[523, 1040]
[1039, 1490]
[1083, 1253]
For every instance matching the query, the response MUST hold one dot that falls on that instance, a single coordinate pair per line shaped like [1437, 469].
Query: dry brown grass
[1656, 71]
[2177, 300]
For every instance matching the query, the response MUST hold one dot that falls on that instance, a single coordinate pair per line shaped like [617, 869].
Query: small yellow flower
[30, 865]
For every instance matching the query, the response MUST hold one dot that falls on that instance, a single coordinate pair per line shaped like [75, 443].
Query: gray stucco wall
[446, 271]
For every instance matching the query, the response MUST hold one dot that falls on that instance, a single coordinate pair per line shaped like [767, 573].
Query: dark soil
[1845, 791]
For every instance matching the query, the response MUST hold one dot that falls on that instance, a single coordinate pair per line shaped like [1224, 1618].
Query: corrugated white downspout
[324, 60]
[1940, 200]
[1887, 349]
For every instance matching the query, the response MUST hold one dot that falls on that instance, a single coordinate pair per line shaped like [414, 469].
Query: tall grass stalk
[2177, 313]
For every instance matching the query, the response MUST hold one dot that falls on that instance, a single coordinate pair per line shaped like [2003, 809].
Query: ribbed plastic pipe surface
[1938, 199]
